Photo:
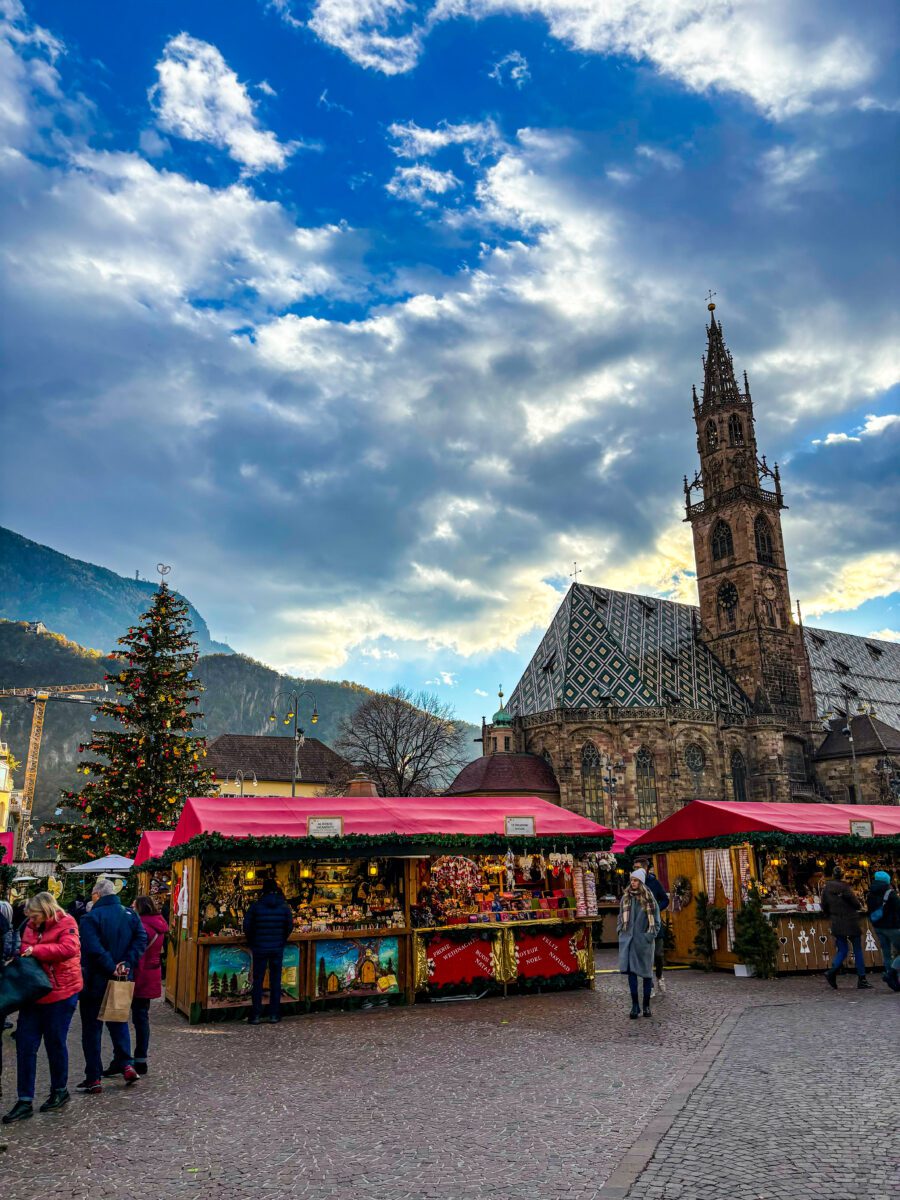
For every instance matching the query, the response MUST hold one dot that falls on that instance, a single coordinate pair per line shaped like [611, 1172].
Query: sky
[372, 318]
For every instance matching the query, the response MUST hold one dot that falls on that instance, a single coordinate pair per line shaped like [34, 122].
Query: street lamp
[293, 702]
[610, 782]
[239, 778]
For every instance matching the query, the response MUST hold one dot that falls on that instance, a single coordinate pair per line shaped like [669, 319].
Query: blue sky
[371, 317]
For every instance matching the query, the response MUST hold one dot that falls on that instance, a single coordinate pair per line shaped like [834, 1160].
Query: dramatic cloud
[857, 581]
[872, 428]
[200, 98]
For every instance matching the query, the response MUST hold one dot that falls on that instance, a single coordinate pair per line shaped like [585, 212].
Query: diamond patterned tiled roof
[626, 651]
[848, 670]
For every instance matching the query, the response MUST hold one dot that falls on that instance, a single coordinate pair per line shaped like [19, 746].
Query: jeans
[633, 988]
[273, 962]
[890, 946]
[92, 1036]
[140, 1019]
[843, 949]
[50, 1022]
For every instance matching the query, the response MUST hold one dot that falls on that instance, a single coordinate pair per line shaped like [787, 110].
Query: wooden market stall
[610, 882]
[155, 883]
[789, 850]
[394, 899]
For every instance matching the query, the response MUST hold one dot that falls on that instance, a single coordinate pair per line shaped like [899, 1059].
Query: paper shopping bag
[116, 1004]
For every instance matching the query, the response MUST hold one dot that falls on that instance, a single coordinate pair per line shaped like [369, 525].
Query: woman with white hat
[637, 927]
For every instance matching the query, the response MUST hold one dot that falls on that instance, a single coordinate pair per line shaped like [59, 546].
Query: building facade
[639, 705]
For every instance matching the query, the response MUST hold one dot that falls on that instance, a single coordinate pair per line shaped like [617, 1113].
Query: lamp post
[239, 778]
[610, 783]
[293, 701]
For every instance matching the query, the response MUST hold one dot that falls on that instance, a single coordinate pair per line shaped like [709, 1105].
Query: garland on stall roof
[772, 839]
[216, 846]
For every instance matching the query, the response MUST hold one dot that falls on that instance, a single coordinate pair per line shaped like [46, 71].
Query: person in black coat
[112, 942]
[883, 907]
[661, 896]
[844, 907]
[267, 926]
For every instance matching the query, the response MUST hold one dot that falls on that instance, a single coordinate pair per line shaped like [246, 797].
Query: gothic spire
[719, 383]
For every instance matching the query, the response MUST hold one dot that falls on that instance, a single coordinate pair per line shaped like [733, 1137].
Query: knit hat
[882, 877]
[640, 874]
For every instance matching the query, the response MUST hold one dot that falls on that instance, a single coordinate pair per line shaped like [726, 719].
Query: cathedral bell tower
[745, 603]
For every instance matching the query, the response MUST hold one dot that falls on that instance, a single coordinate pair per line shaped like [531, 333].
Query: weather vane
[574, 574]
[162, 570]
[709, 299]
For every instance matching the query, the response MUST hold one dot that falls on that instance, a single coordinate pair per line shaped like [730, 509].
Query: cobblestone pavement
[499, 1099]
[800, 1103]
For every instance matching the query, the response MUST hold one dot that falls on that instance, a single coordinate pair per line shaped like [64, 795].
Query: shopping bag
[22, 981]
[116, 1004]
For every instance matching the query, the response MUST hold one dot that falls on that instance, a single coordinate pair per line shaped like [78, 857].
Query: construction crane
[39, 697]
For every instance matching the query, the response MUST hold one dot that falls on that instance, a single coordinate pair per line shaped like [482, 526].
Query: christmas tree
[755, 942]
[709, 919]
[144, 769]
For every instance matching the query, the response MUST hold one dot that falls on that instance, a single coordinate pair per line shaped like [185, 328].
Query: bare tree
[407, 742]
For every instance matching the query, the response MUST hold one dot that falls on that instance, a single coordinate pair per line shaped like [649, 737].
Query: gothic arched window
[735, 430]
[712, 435]
[728, 605]
[590, 781]
[647, 798]
[738, 776]
[722, 541]
[765, 551]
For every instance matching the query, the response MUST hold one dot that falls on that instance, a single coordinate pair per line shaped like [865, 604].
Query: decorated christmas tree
[755, 942]
[141, 771]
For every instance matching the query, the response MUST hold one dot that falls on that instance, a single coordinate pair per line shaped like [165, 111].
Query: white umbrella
[109, 862]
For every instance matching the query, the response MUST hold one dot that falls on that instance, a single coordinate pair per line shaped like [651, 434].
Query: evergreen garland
[773, 840]
[143, 769]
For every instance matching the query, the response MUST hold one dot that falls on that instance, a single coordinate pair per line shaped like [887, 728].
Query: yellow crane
[39, 697]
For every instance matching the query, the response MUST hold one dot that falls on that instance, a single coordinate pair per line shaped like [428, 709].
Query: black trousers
[260, 963]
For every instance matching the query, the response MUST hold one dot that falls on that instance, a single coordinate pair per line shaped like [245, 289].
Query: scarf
[644, 897]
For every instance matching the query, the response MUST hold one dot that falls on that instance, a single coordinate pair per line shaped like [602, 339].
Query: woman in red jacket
[147, 977]
[51, 938]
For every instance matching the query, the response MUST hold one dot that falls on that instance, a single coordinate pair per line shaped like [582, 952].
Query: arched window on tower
[765, 551]
[738, 776]
[727, 598]
[735, 430]
[722, 541]
[590, 781]
[712, 436]
[647, 798]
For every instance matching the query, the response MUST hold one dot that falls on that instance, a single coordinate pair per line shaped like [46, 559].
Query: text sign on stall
[324, 826]
[520, 826]
[862, 828]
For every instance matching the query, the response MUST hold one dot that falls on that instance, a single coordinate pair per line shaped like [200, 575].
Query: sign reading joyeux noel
[546, 955]
[458, 962]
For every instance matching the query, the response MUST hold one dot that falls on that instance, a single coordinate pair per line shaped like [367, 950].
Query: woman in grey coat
[637, 927]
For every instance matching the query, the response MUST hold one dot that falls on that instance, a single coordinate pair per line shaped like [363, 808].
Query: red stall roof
[153, 843]
[417, 816]
[622, 839]
[704, 819]
[7, 841]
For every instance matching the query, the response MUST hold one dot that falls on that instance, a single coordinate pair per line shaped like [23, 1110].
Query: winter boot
[647, 1012]
[635, 1010]
[831, 977]
[862, 983]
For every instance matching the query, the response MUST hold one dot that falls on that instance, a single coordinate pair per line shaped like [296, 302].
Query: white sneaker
[660, 988]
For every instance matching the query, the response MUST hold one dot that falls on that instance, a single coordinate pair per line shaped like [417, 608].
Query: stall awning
[623, 838]
[7, 842]
[97, 866]
[285, 816]
[703, 820]
[153, 843]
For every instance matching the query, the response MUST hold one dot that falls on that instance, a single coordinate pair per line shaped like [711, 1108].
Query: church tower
[745, 603]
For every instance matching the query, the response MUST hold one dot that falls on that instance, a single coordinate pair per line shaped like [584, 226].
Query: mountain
[238, 699]
[93, 605]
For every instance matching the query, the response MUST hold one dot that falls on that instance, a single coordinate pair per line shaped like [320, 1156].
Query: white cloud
[885, 635]
[377, 654]
[784, 58]
[872, 428]
[420, 182]
[200, 98]
[413, 141]
[512, 68]
[151, 144]
[480, 692]
[851, 584]
[443, 679]
[667, 159]
[785, 166]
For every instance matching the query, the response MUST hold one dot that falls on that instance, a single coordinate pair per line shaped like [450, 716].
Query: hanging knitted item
[578, 884]
[590, 893]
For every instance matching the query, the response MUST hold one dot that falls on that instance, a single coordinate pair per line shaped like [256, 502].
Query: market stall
[610, 882]
[153, 843]
[393, 899]
[788, 850]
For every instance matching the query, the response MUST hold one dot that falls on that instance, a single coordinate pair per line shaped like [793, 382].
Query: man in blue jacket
[112, 942]
[268, 925]
[661, 896]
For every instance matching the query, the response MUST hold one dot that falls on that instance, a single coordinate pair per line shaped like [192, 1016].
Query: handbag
[22, 982]
[116, 1004]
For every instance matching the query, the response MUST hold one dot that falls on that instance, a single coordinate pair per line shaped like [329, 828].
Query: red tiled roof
[506, 773]
[270, 757]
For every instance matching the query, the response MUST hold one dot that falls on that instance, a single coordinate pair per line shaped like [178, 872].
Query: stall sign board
[451, 961]
[862, 829]
[324, 826]
[520, 826]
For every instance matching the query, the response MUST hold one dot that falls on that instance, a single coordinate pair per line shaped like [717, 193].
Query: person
[267, 927]
[77, 907]
[844, 907]
[883, 907]
[661, 896]
[112, 942]
[637, 927]
[9, 937]
[50, 937]
[147, 983]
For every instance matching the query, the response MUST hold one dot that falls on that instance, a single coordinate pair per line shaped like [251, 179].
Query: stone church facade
[639, 705]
